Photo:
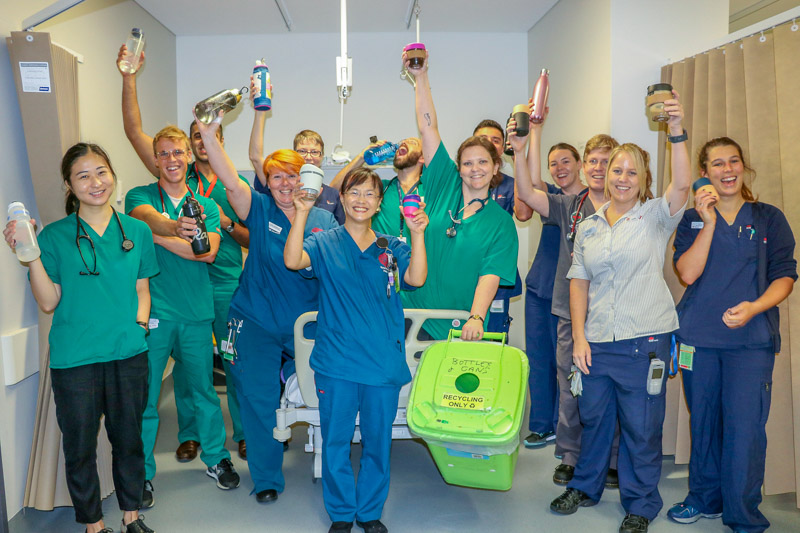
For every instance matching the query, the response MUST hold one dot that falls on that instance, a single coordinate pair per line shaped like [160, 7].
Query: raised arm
[256, 148]
[417, 271]
[426, 114]
[692, 262]
[527, 187]
[132, 117]
[678, 190]
[239, 194]
[294, 257]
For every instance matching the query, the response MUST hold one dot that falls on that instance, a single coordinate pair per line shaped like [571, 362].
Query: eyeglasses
[177, 153]
[369, 195]
[314, 153]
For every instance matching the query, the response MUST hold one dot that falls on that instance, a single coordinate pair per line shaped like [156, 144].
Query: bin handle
[487, 336]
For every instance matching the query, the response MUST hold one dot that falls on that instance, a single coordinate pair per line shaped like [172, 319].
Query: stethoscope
[452, 230]
[127, 244]
[161, 195]
[576, 217]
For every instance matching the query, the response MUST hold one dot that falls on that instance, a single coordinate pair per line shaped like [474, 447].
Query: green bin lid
[469, 392]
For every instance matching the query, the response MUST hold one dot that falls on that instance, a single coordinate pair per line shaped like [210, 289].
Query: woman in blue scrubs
[93, 275]
[359, 354]
[622, 317]
[736, 256]
[267, 302]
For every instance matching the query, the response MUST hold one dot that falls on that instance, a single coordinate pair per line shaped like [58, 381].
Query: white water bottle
[26, 246]
[135, 44]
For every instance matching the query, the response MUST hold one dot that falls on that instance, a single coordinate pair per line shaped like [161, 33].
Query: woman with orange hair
[269, 299]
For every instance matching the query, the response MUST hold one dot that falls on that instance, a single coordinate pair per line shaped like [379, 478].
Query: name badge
[274, 228]
[697, 224]
[153, 323]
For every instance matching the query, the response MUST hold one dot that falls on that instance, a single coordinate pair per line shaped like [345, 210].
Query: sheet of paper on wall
[35, 76]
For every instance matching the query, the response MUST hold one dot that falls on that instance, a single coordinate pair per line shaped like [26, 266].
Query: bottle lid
[137, 30]
[16, 208]
[414, 46]
[519, 108]
[659, 87]
[545, 72]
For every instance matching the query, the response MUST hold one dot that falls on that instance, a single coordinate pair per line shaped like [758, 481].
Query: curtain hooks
[794, 25]
[762, 39]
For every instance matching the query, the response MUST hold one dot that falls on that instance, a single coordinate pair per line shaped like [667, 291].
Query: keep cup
[656, 96]
[311, 177]
[416, 54]
[411, 204]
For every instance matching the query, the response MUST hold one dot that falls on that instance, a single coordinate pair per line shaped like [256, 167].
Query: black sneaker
[225, 474]
[563, 474]
[633, 523]
[570, 500]
[612, 479]
[373, 526]
[267, 496]
[341, 527]
[539, 440]
[147, 495]
[137, 526]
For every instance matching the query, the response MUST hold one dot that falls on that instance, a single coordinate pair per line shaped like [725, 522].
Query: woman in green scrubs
[93, 275]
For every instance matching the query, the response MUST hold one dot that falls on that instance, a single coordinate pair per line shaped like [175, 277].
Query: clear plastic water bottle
[262, 102]
[373, 156]
[27, 248]
[208, 109]
[135, 44]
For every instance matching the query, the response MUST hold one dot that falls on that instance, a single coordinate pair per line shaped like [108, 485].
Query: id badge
[686, 357]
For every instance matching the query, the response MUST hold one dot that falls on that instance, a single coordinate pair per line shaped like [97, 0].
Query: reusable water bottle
[508, 150]
[200, 243]
[540, 92]
[135, 44]
[373, 156]
[262, 102]
[27, 248]
[207, 110]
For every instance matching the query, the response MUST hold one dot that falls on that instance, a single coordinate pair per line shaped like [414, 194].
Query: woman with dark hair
[472, 241]
[93, 275]
[267, 302]
[737, 257]
[359, 354]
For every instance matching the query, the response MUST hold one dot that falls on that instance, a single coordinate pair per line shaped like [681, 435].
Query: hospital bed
[299, 402]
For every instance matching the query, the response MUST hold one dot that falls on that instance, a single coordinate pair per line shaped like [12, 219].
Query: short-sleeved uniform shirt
[182, 291]
[624, 263]
[95, 320]
[269, 293]
[224, 272]
[567, 211]
[485, 243]
[389, 220]
[360, 330]
[542, 274]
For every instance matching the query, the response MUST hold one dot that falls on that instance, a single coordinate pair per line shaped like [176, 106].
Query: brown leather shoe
[187, 451]
[243, 449]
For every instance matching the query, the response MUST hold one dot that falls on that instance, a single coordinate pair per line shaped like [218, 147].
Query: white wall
[95, 29]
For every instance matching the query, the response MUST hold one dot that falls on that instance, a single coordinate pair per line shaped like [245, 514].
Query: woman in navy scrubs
[267, 302]
[93, 275]
[359, 354]
[736, 255]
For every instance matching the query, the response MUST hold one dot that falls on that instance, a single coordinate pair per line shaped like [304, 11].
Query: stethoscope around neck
[452, 231]
[126, 244]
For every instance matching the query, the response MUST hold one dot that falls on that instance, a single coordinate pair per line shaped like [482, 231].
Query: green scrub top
[389, 220]
[95, 319]
[182, 292]
[227, 267]
[485, 243]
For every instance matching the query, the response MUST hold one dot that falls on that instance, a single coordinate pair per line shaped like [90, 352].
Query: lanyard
[575, 217]
[161, 195]
[200, 188]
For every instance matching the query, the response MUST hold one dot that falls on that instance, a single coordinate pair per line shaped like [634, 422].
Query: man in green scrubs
[182, 305]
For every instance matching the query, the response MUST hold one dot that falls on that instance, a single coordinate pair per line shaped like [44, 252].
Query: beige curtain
[749, 90]
[51, 126]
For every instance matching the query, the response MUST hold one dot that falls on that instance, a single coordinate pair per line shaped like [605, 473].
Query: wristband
[476, 317]
[678, 138]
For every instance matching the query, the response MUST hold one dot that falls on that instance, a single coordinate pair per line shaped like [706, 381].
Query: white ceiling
[228, 17]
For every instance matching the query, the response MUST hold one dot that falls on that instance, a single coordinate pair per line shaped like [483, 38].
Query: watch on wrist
[230, 228]
[476, 317]
[678, 138]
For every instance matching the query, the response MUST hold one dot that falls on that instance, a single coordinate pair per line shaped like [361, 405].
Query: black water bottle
[200, 243]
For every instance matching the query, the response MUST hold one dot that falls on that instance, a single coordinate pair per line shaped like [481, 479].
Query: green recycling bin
[467, 402]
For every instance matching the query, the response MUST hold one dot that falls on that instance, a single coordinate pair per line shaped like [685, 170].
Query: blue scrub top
[328, 199]
[269, 293]
[729, 278]
[503, 194]
[360, 331]
[542, 274]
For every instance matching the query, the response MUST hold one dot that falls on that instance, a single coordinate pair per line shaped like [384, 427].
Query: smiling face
[172, 165]
[196, 141]
[361, 201]
[311, 151]
[564, 168]
[408, 153]
[623, 180]
[91, 180]
[282, 185]
[594, 168]
[476, 168]
[725, 169]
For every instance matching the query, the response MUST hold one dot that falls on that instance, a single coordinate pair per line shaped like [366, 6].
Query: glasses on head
[177, 153]
[313, 153]
[369, 195]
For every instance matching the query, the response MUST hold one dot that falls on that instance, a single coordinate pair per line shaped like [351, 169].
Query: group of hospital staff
[597, 307]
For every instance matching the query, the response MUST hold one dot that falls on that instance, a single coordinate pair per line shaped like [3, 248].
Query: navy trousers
[540, 346]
